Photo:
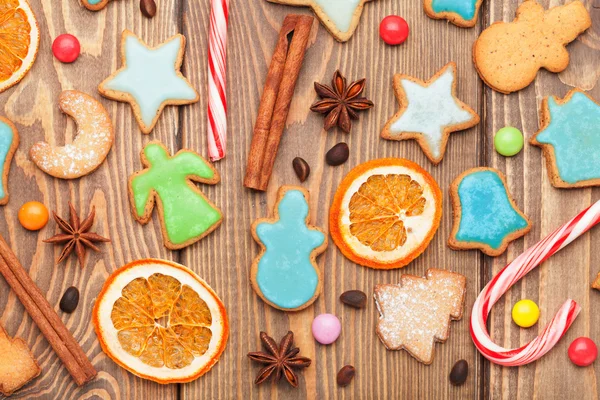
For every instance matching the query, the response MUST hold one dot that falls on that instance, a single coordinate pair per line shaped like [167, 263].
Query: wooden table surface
[223, 258]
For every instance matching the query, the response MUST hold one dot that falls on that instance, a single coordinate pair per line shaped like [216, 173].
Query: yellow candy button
[525, 313]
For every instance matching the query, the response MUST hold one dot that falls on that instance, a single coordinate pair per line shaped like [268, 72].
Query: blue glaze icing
[151, 76]
[6, 140]
[465, 8]
[487, 215]
[286, 276]
[574, 133]
[94, 2]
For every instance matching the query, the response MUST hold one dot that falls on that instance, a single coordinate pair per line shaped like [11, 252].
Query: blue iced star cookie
[285, 274]
[485, 216]
[570, 139]
[461, 13]
[150, 78]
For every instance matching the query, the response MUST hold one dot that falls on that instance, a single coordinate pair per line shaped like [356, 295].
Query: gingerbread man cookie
[340, 17]
[416, 313]
[461, 13]
[17, 365]
[186, 215]
[569, 136]
[9, 141]
[285, 274]
[429, 112]
[508, 56]
[95, 137]
[150, 79]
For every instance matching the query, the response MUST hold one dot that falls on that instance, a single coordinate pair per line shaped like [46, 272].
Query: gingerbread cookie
[186, 215]
[95, 137]
[416, 313]
[150, 78]
[17, 365]
[429, 112]
[285, 274]
[94, 5]
[9, 141]
[569, 136]
[485, 215]
[339, 17]
[461, 13]
[508, 56]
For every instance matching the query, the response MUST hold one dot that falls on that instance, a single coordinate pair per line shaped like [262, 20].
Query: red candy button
[583, 351]
[393, 30]
[66, 48]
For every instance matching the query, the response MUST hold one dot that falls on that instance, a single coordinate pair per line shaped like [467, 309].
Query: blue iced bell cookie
[285, 274]
[570, 139]
[485, 215]
[9, 141]
[461, 13]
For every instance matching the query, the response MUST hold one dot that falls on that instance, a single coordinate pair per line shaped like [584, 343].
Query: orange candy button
[33, 215]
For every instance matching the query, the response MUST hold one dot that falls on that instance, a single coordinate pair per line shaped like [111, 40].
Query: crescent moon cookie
[339, 17]
[95, 137]
[9, 141]
[94, 5]
[485, 215]
[186, 215]
[508, 55]
[569, 136]
[429, 112]
[285, 274]
[462, 13]
[149, 79]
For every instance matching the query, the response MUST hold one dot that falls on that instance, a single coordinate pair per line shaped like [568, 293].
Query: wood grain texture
[224, 258]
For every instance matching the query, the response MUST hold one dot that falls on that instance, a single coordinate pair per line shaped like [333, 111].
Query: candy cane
[510, 275]
[217, 65]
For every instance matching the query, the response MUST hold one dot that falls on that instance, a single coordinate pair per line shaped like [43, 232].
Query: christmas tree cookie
[285, 274]
[417, 312]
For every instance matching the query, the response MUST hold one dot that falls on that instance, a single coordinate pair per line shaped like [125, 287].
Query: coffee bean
[338, 154]
[148, 8]
[354, 298]
[459, 373]
[70, 299]
[301, 168]
[345, 376]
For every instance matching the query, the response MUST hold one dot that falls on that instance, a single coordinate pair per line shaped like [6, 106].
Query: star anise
[75, 235]
[341, 103]
[280, 361]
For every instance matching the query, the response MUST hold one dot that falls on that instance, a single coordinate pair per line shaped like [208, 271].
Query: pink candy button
[326, 328]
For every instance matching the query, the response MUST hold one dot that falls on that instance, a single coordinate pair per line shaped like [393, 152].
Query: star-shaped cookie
[570, 139]
[149, 79]
[340, 17]
[429, 112]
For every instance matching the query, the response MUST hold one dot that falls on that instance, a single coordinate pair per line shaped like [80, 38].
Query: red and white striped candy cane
[510, 275]
[217, 74]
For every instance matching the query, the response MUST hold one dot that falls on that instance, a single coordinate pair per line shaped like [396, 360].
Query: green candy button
[508, 141]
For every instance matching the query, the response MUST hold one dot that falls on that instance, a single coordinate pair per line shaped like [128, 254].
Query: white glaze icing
[340, 12]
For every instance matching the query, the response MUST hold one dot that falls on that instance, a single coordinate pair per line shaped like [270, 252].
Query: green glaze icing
[465, 8]
[574, 133]
[286, 276]
[186, 213]
[487, 215]
[340, 12]
[6, 141]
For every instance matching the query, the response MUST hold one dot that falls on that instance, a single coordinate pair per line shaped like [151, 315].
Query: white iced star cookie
[340, 17]
[149, 79]
[429, 112]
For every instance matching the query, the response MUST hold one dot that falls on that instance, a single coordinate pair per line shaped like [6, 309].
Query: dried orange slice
[385, 212]
[19, 41]
[160, 321]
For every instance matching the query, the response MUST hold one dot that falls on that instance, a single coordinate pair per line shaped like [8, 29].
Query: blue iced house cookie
[485, 215]
[285, 274]
[461, 13]
[570, 139]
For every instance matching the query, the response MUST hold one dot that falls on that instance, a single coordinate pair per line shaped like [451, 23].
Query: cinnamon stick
[276, 99]
[49, 323]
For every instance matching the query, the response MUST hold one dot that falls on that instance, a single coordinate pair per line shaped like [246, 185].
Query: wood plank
[567, 274]
[32, 106]
[224, 257]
